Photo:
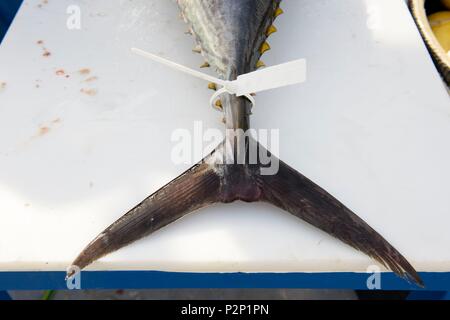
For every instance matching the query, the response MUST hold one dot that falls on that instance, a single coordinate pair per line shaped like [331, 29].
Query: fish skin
[230, 34]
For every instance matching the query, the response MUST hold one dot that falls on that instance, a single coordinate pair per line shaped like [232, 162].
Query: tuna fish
[231, 35]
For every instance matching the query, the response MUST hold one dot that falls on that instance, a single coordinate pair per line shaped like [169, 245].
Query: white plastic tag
[278, 76]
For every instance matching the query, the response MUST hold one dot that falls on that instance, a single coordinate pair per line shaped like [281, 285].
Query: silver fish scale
[229, 33]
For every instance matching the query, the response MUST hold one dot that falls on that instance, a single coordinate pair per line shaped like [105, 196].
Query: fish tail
[196, 188]
[215, 180]
[296, 194]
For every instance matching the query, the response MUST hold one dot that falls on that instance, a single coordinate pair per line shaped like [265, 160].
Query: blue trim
[170, 280]
[4, 296]
[8, 10]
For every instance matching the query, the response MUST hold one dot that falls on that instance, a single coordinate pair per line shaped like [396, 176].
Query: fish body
[231, 35]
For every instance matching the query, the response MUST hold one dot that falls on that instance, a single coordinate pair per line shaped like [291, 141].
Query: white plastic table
[85, 134]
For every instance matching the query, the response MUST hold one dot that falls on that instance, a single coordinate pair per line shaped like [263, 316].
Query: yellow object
[439, 18]
[272, 29]
[278, 12]
[265, 47]
[212, 86]
[440, 24]
[260, 64]
[446, 3]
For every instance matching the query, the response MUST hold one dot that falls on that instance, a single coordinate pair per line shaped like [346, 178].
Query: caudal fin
[196, 188]
[210, 182]
[296, 194]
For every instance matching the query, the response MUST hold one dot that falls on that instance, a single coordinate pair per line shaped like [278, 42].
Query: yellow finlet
[278, 12]
[219, 104]
[205, 65]
[272, 29]
[265, 47]
[212, 86]
[260, 64]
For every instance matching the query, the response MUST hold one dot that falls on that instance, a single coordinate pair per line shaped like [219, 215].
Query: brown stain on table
[91, 79]
[62, 73]
[84, 71]
[89, 92]
[47, 128]
[46, 53]
[42, 4]
[43, 131]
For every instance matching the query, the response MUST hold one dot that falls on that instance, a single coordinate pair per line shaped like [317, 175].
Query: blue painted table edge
[55, 280]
